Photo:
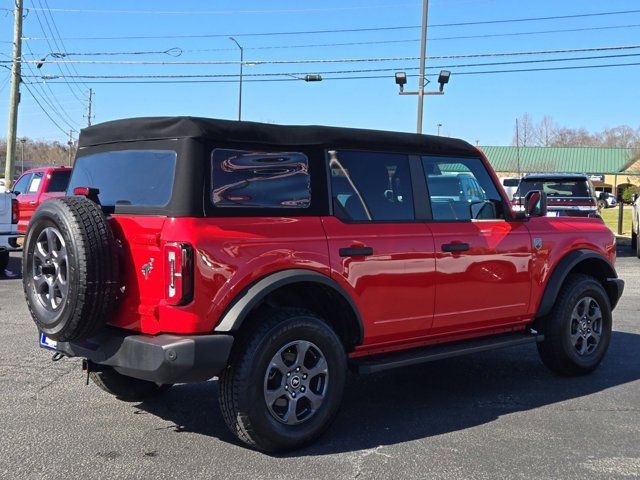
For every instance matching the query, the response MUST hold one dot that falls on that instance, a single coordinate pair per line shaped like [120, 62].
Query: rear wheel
[284, 382]
[578, 329]
[125, 388]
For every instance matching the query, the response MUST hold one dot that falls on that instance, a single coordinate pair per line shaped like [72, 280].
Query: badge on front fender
[537, 243]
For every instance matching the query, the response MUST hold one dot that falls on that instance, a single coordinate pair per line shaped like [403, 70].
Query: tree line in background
[36, 153]
[548, 133]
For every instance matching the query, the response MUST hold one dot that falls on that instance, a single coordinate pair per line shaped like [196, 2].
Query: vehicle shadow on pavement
[14, 269]
[423, 401]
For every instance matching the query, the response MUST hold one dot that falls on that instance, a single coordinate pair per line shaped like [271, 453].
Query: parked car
[568, 194]
[276, 257]
[635, 225]
[8, 228]
[510, 185]
[37, 185]
[606, 200]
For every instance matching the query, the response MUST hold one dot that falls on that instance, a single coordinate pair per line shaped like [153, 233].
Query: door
[378, 252]
[483, 261]
[21, 187]
[28, 201]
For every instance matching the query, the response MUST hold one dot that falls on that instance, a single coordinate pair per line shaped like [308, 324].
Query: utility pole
[14, 95]
[89, 107]
[423, 53]
[439, 126]
[241, 64]
[70, 143]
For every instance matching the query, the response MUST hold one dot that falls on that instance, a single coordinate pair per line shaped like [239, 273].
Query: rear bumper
[10, 242]
[162, 359]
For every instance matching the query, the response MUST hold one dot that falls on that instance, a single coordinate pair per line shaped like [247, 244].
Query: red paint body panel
[29, 202]
[394, 288]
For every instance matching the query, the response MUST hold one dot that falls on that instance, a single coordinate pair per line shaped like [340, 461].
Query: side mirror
[535, 204]
[484, 210]
[634, 197]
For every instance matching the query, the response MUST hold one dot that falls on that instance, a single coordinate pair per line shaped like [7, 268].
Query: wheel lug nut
[286, 387]
[293, 394]
[288, 374]
[298, 369]
[302, 389]
[304, 376]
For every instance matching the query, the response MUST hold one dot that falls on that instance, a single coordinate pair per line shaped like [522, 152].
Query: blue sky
[475, 107]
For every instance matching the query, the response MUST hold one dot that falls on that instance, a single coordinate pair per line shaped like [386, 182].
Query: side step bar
[387, 361]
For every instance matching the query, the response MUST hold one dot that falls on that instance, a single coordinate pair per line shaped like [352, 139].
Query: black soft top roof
[228, 131]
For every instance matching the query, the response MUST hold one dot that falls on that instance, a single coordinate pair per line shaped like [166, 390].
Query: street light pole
[423, 53]
[22, 142]
[439, 125]
[241, 65]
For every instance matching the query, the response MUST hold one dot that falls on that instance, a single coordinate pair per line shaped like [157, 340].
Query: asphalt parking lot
[492, 415]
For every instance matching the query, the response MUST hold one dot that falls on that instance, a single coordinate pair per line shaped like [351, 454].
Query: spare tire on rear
[70, 268]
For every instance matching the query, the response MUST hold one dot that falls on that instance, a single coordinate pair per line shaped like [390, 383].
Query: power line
[52, 49]
[353, 30]
[323, 60]
[278, 74]
[364, 77]
[52, 95]
[227, 12]
[26, 85]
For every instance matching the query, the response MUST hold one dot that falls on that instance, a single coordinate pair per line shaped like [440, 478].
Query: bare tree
[524, 135]
[545, 131]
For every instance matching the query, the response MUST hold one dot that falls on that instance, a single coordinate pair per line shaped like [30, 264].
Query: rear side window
[35, 183]
[250, 179]
[59, 181]
[127, 177]
[371, 186]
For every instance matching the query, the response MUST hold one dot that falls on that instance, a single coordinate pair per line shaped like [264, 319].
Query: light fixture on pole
[241, 64]
[401, 81]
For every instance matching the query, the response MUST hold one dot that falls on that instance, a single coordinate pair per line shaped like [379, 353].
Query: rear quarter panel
[229, 255]
[559, 236]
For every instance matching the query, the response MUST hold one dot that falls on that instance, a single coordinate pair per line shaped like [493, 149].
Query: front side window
[35, 183]
[241, 178]
[127, 177]
[22, 184]
[461, 189]
[371, 186]
[59, 181]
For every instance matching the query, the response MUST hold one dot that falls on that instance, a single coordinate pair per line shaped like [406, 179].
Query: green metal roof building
[610, 167]
[596, 160]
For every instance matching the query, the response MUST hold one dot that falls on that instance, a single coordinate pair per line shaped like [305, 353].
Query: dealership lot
[494, 415]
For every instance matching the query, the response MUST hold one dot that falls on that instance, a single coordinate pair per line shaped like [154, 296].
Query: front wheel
[284, 382]
[578, 329]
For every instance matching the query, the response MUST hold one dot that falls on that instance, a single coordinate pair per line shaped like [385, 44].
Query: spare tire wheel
[70, 268]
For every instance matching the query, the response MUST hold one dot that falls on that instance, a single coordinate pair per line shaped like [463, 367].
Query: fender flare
[236, 313]
[564, 267]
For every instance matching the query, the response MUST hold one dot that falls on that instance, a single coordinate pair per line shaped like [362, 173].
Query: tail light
[178, 273]
[15, 212]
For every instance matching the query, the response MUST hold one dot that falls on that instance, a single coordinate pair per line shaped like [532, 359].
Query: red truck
[277, 257]
[37, 185]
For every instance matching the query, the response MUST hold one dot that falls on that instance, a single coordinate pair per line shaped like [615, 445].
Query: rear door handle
[455, 247]
[356, 252]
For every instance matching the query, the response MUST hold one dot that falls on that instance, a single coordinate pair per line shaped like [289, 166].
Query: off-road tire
[556, 350]
[242, 400]
[4, 262]
[92, 268]
[125, 388]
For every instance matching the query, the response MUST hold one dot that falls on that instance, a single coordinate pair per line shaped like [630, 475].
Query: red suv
[37, 185]
[276, 257]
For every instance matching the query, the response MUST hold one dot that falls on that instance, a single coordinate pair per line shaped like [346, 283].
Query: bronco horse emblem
[146, 269]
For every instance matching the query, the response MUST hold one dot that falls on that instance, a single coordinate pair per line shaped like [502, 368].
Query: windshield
[555, 188]
[127, 177]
